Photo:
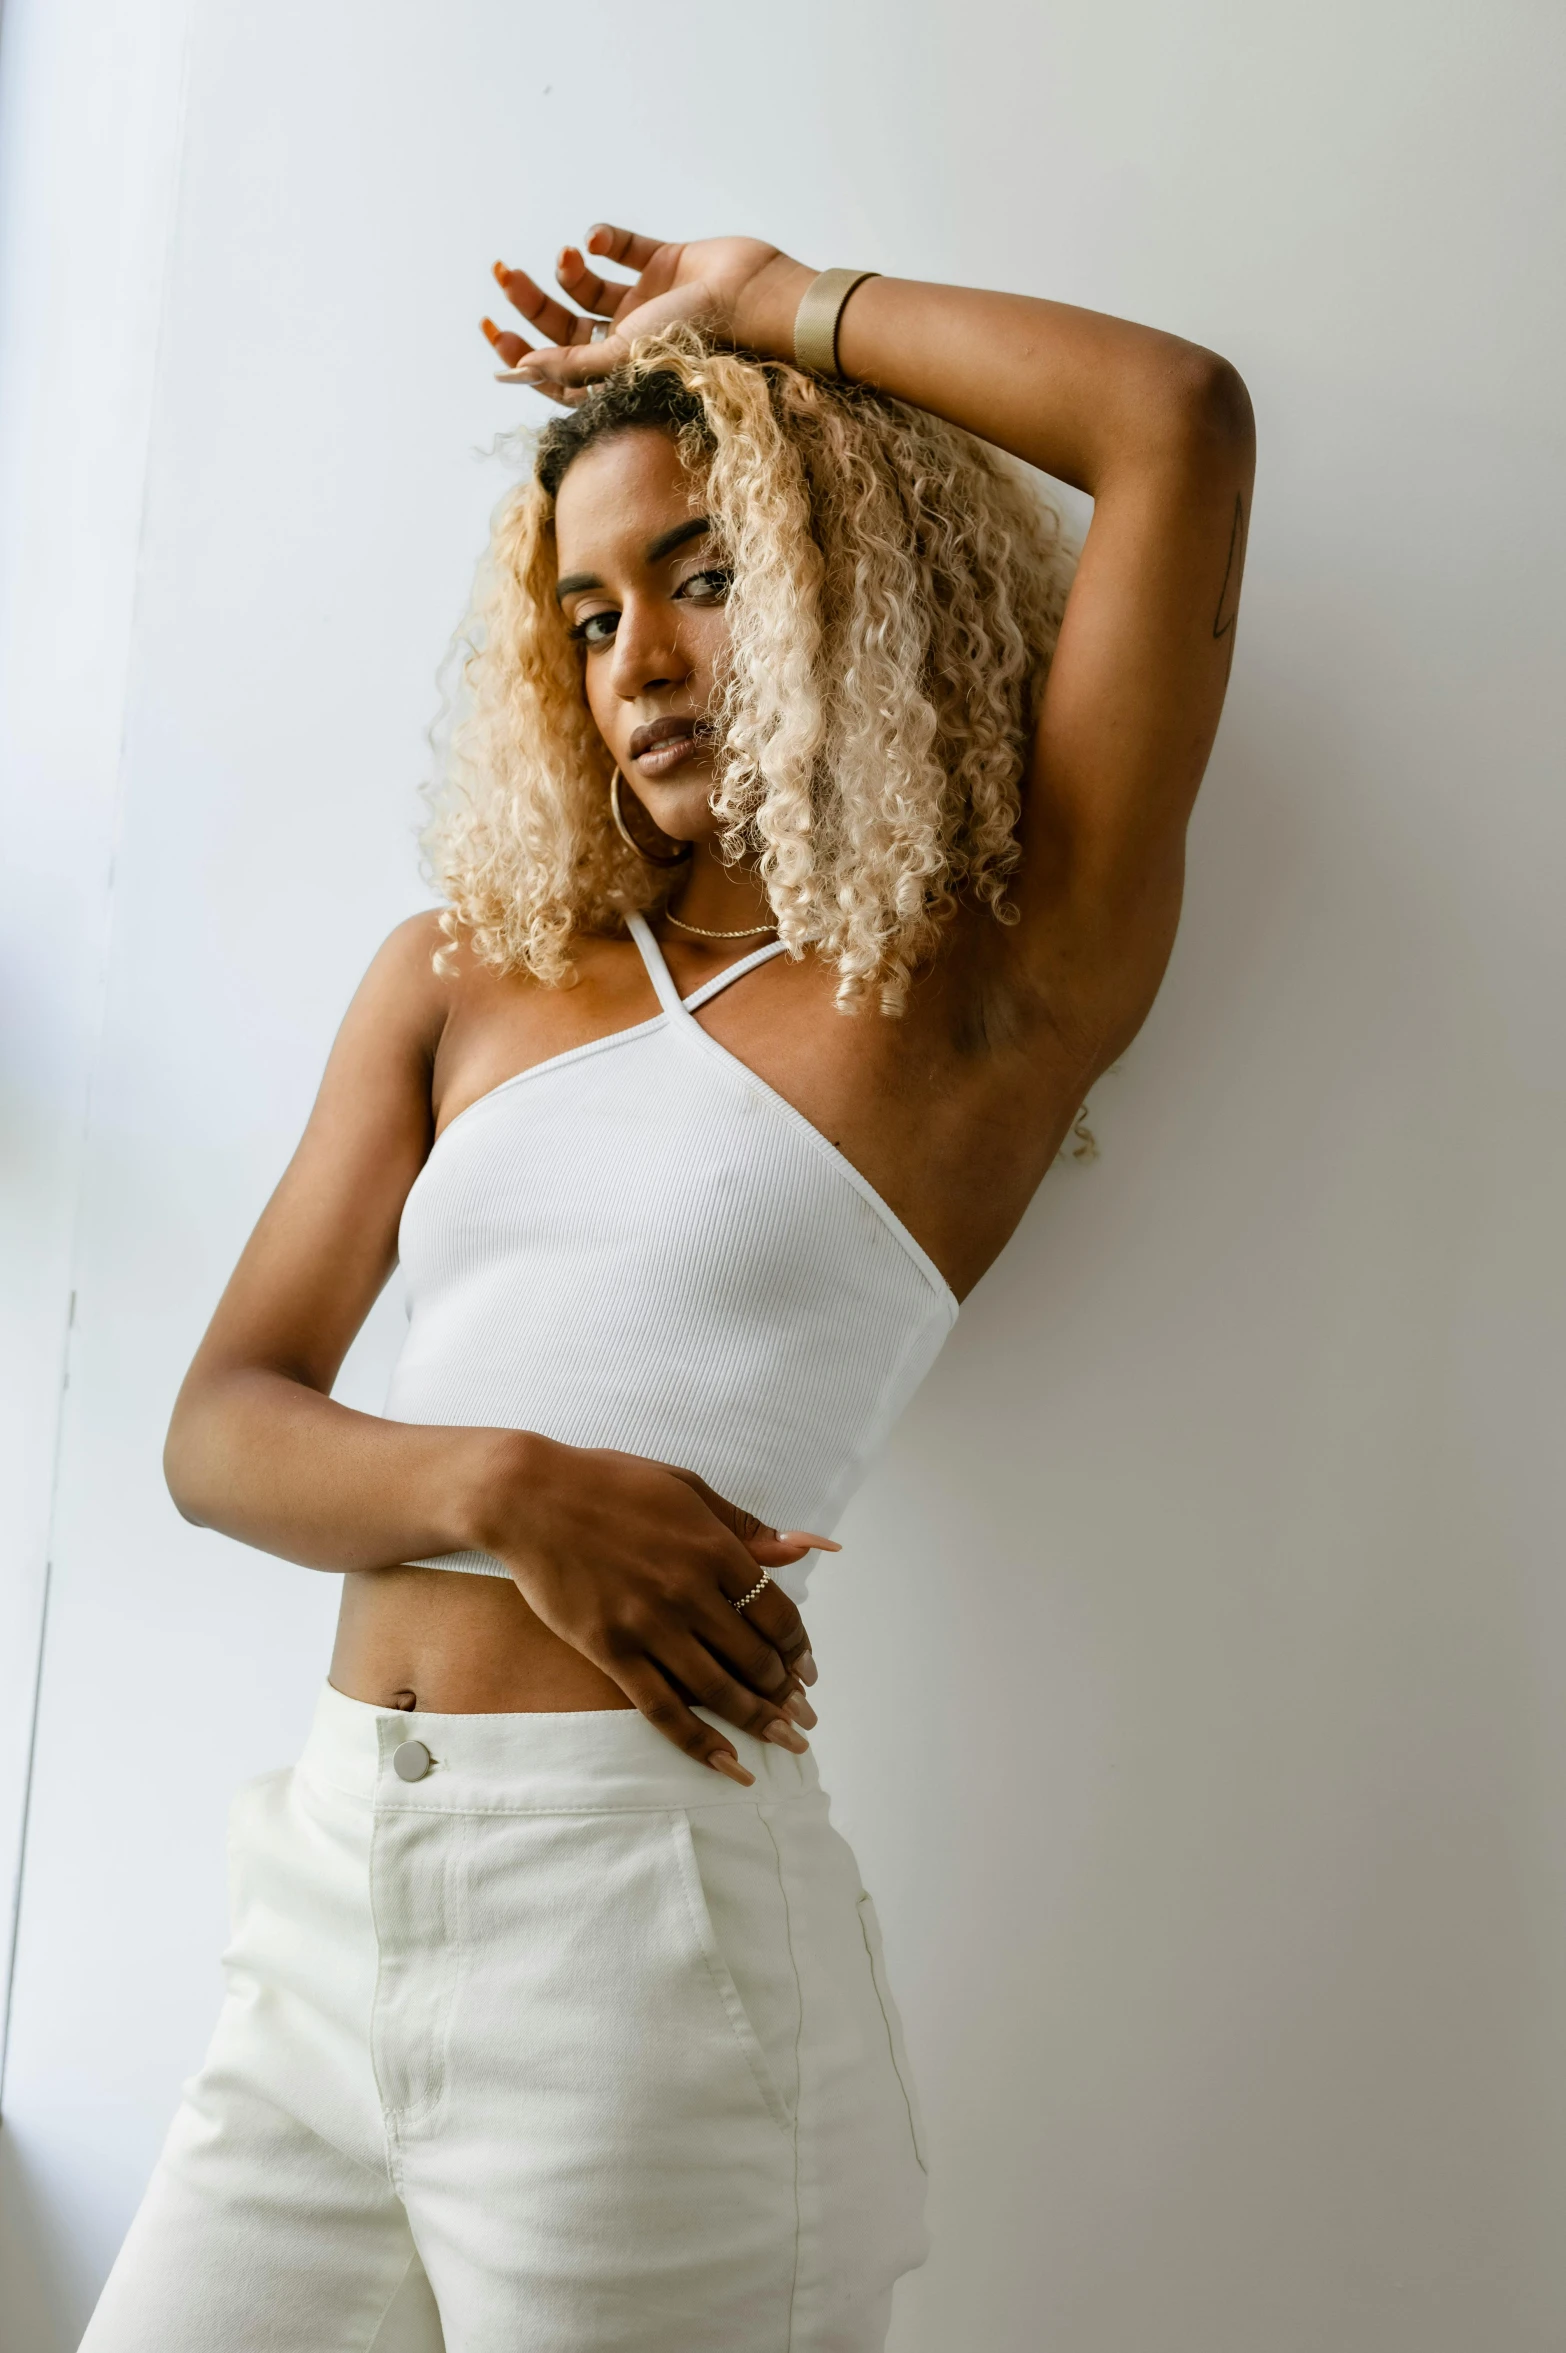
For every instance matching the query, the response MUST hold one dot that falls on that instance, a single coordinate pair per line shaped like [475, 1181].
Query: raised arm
[1159, 433]
[1156, 430]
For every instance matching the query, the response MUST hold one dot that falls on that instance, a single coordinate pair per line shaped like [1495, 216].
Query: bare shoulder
[410, 986]
[496, 1022]
[420, 958]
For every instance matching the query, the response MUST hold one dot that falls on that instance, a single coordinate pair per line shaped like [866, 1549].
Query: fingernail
[500, 270]
[797, 1706]
[722, 1762]
[784, 1736]
[803, 1536]
[490, 329]
[805, 1667]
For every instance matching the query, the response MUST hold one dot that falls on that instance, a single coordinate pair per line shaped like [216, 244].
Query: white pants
[598, 2039]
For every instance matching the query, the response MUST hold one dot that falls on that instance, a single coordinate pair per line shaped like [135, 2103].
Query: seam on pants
[729, 1996]
[388, 2126]
[456, 1945]
[369, 2342]
[799, 2081]
[891, 2039]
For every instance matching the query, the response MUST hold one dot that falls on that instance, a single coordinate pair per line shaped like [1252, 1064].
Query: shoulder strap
[663, 979]
[733, 972]
[652, 956]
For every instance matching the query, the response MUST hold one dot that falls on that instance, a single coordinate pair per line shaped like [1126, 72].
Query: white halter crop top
[638, 1244]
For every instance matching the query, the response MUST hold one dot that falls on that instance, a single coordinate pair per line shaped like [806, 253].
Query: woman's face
[642, 592]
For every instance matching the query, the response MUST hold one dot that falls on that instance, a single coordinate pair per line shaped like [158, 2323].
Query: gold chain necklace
[702, 933]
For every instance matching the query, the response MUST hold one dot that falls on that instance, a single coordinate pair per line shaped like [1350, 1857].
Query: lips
[661, 732]
[667, 743]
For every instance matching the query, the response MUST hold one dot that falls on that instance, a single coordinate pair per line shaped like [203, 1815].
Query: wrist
[768, 304]
[494, 1472]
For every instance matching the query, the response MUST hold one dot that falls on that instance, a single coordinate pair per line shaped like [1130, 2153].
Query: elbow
[1212, 405]
[178, 1474]
[187, 1452]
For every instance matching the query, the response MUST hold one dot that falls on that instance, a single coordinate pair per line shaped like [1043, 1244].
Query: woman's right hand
[637, 1565]
[736, 288]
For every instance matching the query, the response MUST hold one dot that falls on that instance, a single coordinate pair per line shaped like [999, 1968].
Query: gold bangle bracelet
[817, 318]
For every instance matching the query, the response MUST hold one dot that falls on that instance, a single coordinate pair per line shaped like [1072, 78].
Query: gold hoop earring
[623, 830]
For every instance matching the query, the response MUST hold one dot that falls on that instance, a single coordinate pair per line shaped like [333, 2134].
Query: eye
[707, 587]
[597, 629]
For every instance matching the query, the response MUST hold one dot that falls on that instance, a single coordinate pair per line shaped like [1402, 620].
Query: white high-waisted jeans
[599, 2039]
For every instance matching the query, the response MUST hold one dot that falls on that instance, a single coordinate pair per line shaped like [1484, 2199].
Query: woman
[549, 1971]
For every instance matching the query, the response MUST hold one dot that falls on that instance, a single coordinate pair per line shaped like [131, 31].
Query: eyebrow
[656, 549]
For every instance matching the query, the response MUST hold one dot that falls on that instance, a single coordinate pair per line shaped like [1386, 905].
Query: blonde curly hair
[897, 590]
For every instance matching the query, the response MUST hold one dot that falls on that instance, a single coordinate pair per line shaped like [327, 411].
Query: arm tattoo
[1223, 621]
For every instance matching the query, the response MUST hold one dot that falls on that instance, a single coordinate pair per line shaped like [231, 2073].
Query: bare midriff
[457, 1645]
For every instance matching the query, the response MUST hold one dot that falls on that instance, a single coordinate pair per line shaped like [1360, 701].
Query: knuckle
[643, 1614]
[766, 1668]
[779, 1643]
[619, 1639]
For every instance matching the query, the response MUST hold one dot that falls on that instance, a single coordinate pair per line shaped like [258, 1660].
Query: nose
[647, 649]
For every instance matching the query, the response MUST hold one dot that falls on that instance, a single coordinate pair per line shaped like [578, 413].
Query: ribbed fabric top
[639, 1244]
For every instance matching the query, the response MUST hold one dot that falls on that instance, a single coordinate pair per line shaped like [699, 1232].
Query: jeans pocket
[870, 1929]
[723, 1976]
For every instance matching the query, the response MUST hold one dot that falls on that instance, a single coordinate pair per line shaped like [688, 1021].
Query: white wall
[77, 374]
[1193, 1681]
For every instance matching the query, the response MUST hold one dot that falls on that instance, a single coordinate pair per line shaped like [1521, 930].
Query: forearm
[270, 1461]
[1072, 391]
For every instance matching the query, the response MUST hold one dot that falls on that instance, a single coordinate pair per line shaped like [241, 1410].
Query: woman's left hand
[730, 284]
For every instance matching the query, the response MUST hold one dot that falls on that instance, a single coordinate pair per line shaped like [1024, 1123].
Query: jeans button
[412, 1761]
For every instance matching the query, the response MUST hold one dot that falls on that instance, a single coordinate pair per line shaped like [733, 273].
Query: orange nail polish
[500, 271]
[490, 329]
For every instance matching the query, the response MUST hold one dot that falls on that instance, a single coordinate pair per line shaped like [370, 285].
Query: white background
[1193, 1681]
